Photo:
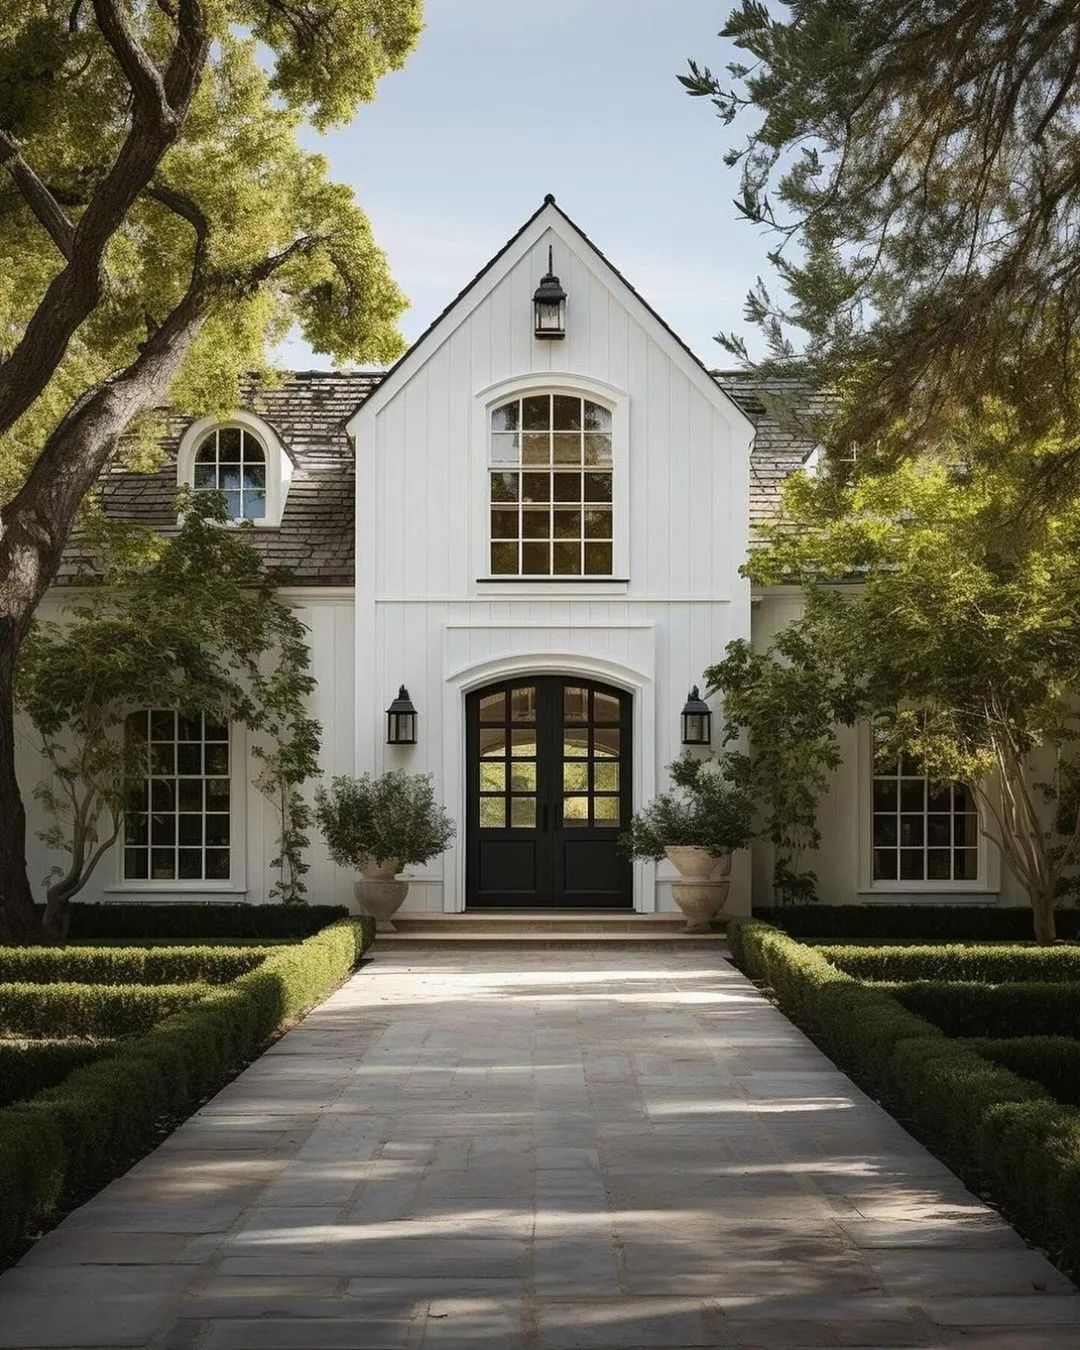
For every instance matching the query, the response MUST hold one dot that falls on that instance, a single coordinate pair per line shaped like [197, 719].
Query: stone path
[546, 1149]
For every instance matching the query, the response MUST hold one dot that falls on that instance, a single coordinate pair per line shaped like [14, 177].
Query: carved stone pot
[702, 890]
[379, 893]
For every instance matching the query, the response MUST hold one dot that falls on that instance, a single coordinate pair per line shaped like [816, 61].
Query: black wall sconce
[401, 720]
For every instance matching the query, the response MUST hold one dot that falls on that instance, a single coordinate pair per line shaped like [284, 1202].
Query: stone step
[439, 938]
[534, 928]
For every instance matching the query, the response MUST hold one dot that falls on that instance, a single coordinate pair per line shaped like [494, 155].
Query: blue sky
[504, 101]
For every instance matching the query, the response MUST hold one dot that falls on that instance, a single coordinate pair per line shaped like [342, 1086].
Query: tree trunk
[18, 917]
[34, 529]
[57, 918]
[1042, 908]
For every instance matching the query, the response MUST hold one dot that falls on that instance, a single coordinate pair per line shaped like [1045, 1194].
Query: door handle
[544, 817]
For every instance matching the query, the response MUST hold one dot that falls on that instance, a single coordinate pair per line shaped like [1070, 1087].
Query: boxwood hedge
[956, 961]
[90, 1009]
[200, 920]
[918, 923]
[127, 965]
[88, 1127]
[1053, 1061]
[28, 1066]
[1006, 1129]
[971, 1008]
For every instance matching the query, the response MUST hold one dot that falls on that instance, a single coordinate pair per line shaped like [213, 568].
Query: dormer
[242, 456]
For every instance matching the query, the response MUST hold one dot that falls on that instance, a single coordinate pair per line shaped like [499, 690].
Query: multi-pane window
[177, 823]
[590, 755]
[233, 461]
[508, 759]
[922, 831]
[550, 485]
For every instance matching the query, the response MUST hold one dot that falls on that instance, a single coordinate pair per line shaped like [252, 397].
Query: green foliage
[706, 809]
[280, 242]
[972, 1008]
[917, 169]
[199, 920]
[961, 639]
[96, 1010]
[1002, 964]
[918, 923]
[192, 622]
[27, 1067]
[1052, 1061]
[88, 1128]
[1019, 1143]
[392, 818]
[783, 704]
[127, 965]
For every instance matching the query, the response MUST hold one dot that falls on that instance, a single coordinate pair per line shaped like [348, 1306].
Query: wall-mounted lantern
[549, 305]
[401, 720]
[696, 720]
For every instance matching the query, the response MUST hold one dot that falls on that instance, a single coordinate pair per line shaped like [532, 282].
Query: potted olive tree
[697, 825]
[378, 826]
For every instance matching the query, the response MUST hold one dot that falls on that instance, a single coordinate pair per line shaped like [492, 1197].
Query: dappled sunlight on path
[549, 1149]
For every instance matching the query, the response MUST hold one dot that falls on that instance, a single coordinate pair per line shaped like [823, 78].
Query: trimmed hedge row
[28, 1066]
[89, 1127]
[958, 961]
[197, 920]
[1053, 1061]
[967, 1008]
[127, 965]
[1025, 1145]
[90, 1009]
[925, 923]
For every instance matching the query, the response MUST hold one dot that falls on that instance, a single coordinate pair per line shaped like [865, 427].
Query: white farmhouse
[533, 524]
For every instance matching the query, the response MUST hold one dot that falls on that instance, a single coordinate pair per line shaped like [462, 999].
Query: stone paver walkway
[546, 1149]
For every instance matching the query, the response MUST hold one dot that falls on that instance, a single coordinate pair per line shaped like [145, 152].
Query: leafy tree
[919, 168]
[192, 623]
[161, 223]
[941, 603]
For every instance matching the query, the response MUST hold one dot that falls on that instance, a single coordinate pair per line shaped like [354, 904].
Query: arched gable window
[233, 460]
[242, 458]
[550, 483]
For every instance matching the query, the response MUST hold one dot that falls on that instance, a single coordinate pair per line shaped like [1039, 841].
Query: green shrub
[1053, 1061]
[957, 961]
[390, 818]
[89, 1127]
[969, 1008]
[127, 965]
[198, 920]
[1024, 1145]
[90, 1009]
[920, 923]
[704, 809]
[28, 1066]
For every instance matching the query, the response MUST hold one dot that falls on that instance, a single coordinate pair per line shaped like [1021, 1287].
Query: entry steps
[492, 928]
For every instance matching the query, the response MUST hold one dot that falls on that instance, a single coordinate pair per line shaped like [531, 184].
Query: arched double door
[549, 792]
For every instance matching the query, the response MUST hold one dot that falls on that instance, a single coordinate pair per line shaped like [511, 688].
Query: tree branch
[47, 210]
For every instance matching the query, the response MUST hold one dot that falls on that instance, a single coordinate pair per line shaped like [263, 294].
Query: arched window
[550, 471]
[232, 459]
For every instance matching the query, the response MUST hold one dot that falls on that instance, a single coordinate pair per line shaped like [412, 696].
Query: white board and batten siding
[427, 615]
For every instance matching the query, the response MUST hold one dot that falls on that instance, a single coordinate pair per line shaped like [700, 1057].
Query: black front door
[549, 794]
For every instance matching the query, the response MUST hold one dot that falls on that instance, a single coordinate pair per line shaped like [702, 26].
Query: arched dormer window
[241, 457]
[550, 482]
[232, 460]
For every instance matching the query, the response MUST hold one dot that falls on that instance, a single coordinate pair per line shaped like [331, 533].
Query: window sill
[975, 893]
[176, 888]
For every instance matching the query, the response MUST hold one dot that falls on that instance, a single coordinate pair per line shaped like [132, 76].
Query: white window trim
[237, 883]
[986, 882]
[278, 463]
[617, 402]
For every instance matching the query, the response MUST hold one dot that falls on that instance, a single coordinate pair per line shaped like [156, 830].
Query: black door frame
[549, 835]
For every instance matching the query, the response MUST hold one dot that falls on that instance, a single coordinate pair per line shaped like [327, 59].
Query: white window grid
[178, 821]
[921, 831]
[550, 486]
[232, 460]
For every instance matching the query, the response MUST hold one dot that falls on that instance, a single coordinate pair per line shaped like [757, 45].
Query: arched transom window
[550, 482]
[232, 460]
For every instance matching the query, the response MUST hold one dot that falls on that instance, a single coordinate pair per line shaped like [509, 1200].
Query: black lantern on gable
[696, 720]
[549, 305]
[401, 720]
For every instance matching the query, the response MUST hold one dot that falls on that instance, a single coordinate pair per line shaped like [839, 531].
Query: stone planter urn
[702, 889]
[379, 893]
